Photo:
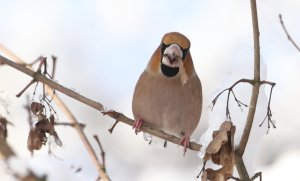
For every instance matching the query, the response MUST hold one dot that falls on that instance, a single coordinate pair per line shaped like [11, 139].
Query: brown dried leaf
[215, 158]
[44, 125]
[52, 119]
[204, 176]
[227, 154]
[215, 133]
[214, 175]
[36, 108]
[221, 152]
[56, 138]
[36, 139]
[225, 126]
[3, 128]
[207, 157]
[215, 145]
[232, 133]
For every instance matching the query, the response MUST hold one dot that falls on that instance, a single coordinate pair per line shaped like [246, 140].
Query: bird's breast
[165, 103]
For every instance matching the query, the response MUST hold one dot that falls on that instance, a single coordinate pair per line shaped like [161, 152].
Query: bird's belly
[169, 112]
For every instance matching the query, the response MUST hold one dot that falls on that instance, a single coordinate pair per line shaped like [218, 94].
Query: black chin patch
[169, 71]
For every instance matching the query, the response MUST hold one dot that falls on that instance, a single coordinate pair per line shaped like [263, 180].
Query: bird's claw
[137, 125]
[185, 142]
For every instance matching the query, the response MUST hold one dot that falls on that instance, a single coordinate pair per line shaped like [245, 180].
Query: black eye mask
[184, 51]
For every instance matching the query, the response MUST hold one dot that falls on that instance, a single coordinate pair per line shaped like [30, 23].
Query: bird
[168, 93]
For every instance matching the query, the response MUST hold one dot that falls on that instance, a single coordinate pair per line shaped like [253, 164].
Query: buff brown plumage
[168, 94]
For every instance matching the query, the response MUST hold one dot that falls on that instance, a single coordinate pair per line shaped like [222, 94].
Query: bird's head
[172, 55]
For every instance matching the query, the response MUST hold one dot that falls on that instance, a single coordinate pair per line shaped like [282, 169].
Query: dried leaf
[204, 176]
[36, 139]
[221, 152]
[57, 139]
[207, 157]
[52, 119]
[43, 125]
[215, 158]
[3, 128]
[215, 145]
[36, 108]
[214, 175]
[225, 126]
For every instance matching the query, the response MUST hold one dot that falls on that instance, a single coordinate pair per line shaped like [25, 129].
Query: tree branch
[255, 91]
[287, 33]
[95, 105]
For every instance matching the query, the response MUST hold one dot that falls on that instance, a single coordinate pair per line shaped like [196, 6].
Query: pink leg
[185, 142]
[137, 125]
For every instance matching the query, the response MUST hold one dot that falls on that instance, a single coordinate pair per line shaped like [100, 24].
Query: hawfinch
[168, 94]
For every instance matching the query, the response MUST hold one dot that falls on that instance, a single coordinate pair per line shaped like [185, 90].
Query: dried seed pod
[56, 138]
[36, 108]
[52, 119]
[3, 128]
[36, 139]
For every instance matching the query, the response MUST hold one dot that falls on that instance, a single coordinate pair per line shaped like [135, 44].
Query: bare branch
[255, 91]
[102, 153]
[230, 90]
[258, 174]
[70, 124]
[287, 33]
[26, 87]
[256, 80]
[269, 112]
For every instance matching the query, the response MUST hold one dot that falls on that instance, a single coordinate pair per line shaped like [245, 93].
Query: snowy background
[103, 46]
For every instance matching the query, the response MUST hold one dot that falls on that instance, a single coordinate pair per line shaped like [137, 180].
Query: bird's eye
[163, 47]
[184, 52]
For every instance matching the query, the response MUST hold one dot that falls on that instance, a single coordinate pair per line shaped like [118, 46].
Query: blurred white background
[103, 46]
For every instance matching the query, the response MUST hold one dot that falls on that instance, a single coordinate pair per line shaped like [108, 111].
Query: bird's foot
[137, 125]
[185, 142]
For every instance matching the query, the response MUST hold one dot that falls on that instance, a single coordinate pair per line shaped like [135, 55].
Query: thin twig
[113, 126]
[54, 59]
[287, 33]
[96, 105]
[258, 174]
[269, 112]
[234, 178]
[70, 124]
[26, 87]
[230, 90]
[202, 169]
[102, 153]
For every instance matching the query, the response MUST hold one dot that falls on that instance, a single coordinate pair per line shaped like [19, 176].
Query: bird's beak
[172, 55]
